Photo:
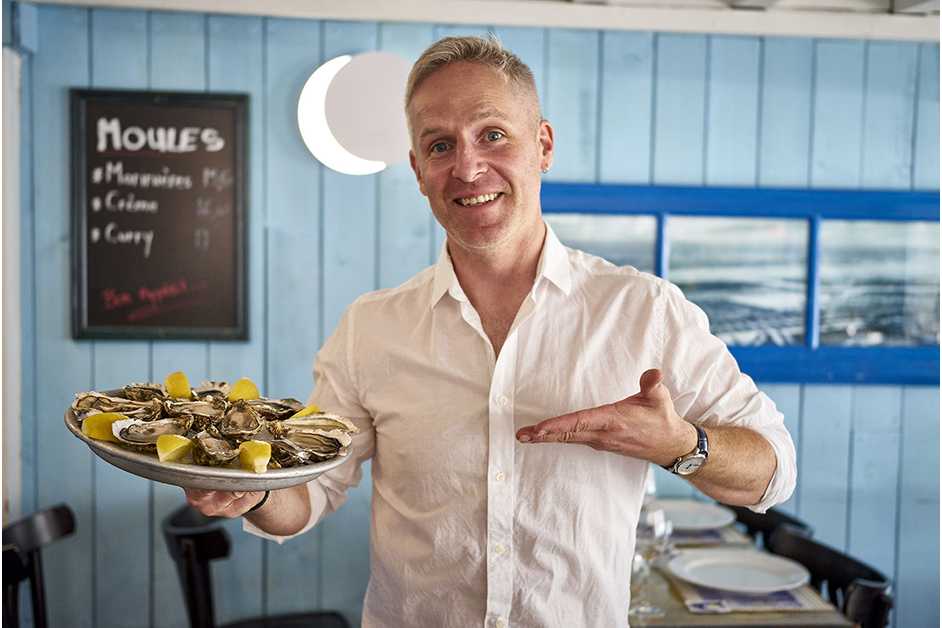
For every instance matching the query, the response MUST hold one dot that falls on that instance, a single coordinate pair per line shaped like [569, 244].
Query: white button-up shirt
[470, 527]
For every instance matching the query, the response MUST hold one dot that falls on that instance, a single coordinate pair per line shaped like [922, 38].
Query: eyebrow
[484, 114]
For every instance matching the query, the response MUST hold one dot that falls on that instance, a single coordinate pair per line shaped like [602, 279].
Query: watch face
[690, 465]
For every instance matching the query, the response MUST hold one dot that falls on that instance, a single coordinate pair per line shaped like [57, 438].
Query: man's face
[477, 152]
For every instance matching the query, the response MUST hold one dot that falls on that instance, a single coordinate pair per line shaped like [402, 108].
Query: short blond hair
[488, 52]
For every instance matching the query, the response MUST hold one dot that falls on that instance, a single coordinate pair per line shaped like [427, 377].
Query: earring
[544, 170]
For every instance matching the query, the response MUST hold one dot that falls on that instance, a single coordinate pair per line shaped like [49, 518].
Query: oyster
[145, 392]
[212, 389]
[143, 434]
[91, 402]
[213, 451]
[241, 421]
[275, 408]
[204, 412]
[322, 435]
[285, 453]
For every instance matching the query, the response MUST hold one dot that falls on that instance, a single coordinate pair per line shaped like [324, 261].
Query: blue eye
[493, 136]
[439, 147]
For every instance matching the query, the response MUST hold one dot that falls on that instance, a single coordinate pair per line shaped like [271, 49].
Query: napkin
[705, 600]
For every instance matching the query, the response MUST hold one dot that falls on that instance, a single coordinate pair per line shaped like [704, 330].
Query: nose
[469, 163]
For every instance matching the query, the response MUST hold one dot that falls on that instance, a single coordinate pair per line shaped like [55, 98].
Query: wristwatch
[691, 463]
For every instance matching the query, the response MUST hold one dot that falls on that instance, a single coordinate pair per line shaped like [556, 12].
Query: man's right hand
[223, 503]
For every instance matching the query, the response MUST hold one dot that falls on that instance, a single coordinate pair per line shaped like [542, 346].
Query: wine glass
[654, 538]
[641, 607]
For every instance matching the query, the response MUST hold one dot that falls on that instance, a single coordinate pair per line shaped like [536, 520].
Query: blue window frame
[808, 362]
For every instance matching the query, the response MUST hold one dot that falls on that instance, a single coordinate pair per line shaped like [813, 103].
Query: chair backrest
[22, 541]
[193, 540]
[761, 526]
[859, 591]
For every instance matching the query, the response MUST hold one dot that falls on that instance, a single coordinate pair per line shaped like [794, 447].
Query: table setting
[693, 567]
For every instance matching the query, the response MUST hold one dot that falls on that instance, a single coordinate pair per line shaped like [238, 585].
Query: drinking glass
[641, 607]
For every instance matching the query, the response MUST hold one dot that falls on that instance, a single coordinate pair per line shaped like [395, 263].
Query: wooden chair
[195, 539]
[761, 526]
[859, 591]
[22, 559]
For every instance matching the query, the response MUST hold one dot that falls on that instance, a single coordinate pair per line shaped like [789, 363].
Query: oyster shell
[322, 444]
[145, 392]
[204, 413]
[241, 421]
[275, 408]
[317, 421]
[212, 389]
[144, 434]
[285, 453]
[213, 451]
[91, 402]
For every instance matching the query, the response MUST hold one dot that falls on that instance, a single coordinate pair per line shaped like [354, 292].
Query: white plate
[738, 570]
[147, 465]
[688, 514]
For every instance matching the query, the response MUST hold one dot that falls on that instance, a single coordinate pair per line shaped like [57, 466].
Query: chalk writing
[113, 173]
[113, 235]
[129, 203]
[217, 179]
[113, 298]
[163, 139]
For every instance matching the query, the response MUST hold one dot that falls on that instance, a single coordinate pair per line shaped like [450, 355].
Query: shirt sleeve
[334, 391]
[709, 389]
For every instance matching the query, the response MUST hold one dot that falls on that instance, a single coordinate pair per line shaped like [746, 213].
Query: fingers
[650, 380]
[561, 426]
[221, 503]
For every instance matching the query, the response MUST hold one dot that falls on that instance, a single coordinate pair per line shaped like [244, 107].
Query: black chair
[761, 526]
[22, 559]
[859, 591]
[195, 539]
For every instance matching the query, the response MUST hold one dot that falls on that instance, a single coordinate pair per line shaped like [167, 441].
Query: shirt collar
[553, 264]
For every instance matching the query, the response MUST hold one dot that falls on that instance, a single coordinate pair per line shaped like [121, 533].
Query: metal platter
[188, 475]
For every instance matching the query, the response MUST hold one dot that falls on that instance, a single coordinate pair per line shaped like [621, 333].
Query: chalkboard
[159, 215]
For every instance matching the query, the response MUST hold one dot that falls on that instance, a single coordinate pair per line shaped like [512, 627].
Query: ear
[418, 175]
[546, 144]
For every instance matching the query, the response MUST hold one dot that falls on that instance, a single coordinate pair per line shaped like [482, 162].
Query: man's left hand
[644, 425]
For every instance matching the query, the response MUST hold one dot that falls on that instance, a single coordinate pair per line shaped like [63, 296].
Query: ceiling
[914, 20]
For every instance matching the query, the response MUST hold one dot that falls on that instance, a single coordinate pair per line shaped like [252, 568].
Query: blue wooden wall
[626, 107]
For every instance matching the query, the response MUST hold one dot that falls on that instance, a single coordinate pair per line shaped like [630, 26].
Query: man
[512, 396]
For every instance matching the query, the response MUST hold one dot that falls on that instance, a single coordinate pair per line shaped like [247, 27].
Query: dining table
[685, 603]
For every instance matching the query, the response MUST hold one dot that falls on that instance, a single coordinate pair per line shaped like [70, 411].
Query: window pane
[748, 274]
[879, 283]
[622, 240]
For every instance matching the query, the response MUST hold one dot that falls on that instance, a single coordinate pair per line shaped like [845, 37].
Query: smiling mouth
[476, 200]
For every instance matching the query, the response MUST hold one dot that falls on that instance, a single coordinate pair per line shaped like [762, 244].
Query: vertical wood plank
[122, 597]
[626, 84]
[732, 111]
[405, 230]
[787, 398]
[177, 63]
[785, 112]
[64, 366]
[926, 147]
[530, 45]
[350, 254]
[572, 104]
[824, 461]
[917, 578]
[888, 123]
[838, 113]
[293, 193]
[235, 65]
[679, 107]
[873, 481]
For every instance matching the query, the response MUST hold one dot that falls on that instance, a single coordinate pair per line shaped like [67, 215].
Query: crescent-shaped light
[312, 121]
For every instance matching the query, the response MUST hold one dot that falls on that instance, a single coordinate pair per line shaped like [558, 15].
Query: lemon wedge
[98, 426]
[306, 411]
[178, 386]
[254, 455]
[172, 447]
[243, 389]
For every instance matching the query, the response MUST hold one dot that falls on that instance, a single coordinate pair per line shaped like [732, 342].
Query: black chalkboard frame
[83, 327]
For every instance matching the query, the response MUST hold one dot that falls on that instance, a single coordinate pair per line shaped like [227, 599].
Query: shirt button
[499, 549]
[500, 623]
[502, 401]
[499, 476]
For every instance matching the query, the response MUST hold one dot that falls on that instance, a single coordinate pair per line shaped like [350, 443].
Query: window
[803, 285]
